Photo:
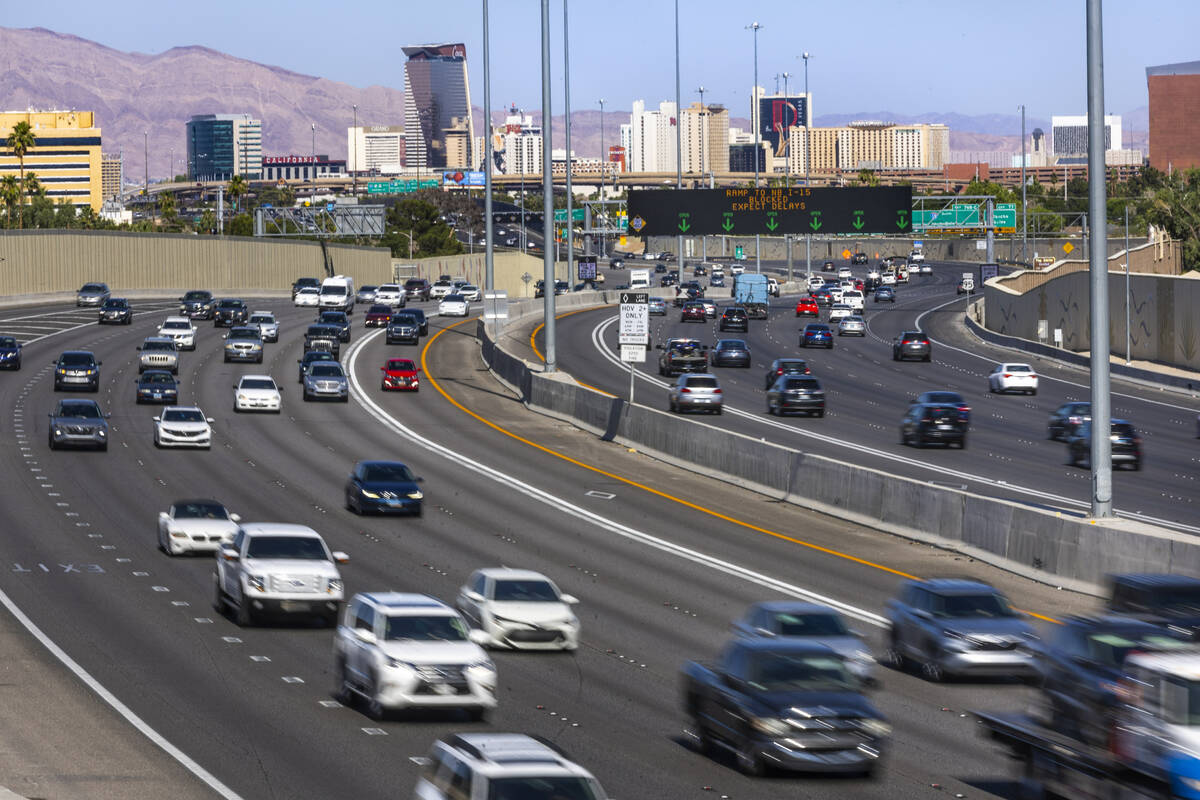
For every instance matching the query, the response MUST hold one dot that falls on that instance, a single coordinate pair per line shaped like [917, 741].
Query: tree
[10, 194]
[236, 189]
[241, 225]
[167, 208]
[419, 219]
[867, 177]
[1175, 206]
[20, 141]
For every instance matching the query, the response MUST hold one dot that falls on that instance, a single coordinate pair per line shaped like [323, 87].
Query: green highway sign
[560, 214]
[402, 186]
[965, 215]
[770, 211]
[1004, 216]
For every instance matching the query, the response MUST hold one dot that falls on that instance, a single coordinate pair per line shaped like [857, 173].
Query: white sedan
[181, 330]
[845, 272]
[308, 296]
[195, 525]
[471, 292]
[183, 426]
[520, 609]
[454, 305]
[840, 311]
[1013, 378]
[257, 393]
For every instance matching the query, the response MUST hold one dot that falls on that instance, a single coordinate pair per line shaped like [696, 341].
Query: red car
[378, 316]
[400, 374]
[693, 312]
[807, 307]
[858, 284]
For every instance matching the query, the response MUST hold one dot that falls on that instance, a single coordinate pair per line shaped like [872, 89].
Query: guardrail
[1056, 547]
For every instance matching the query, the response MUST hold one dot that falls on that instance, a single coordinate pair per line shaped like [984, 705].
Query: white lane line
[125, 711]
[603, 349]
[558, 504]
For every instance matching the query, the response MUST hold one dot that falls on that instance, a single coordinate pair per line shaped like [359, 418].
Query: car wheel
[749, 762]
[1033, 392]
[477, 714]
[932, 671]
[772, 409]
[375, 709]
[226, 359]
[343, 692]
[719, 410]
[894, 356]
[962, 443]
[244, 616]
[1050, 434]
[50, 441]
[894, 654]
[103, 447]
[1137, 465]
[305, 397]
[218, 596]
[821, 414]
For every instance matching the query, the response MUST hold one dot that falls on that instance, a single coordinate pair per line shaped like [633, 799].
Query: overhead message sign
[771, 211]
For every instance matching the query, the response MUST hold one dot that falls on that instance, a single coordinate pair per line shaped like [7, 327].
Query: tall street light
[489, 277]
[1024, 211]
[567, 143]
[754, 26]
[354, 153]
[807, 159]
[547, 198]
[678, 140]
[603, 170]
[314, 158]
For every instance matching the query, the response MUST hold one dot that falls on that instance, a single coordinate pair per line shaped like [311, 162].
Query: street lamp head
[753, 26]
[805, 55]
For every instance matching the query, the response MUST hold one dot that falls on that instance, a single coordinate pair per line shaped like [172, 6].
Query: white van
[639, 279]
[337, 293]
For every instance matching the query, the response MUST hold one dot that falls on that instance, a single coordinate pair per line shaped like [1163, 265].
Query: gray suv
[696, 391]
[158, 352]
[78, 423]
[958, 627]
[326, 379]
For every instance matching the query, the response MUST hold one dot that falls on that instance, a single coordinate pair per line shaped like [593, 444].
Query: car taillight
[907, 341]
[716, 391]
[964, 409]
[1033, 374]
[779, 371]
[1007, 375]
[685, 390]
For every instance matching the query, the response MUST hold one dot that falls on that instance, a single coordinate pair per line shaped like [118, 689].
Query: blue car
[10, 352]
[885, 293]
[383, 487]
[657, 306]
[816, 334]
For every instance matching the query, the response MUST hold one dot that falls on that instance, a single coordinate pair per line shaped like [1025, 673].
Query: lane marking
[542, 358]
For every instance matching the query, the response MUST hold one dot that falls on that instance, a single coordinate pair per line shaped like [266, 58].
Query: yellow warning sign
[846, 253]
[1068, 247]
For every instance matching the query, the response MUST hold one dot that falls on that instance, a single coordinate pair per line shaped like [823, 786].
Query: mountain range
[154, 95]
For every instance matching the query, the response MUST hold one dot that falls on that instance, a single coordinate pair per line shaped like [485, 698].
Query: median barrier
[1055, 547]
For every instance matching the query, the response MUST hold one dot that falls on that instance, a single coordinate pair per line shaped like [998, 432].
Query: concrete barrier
[1055, 547]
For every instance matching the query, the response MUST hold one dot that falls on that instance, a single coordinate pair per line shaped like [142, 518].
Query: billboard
[778, 115]
[462, 179]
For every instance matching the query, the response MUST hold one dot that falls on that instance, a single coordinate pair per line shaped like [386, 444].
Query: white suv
[519, 608]
[400, 650]
[181, 330]
[481, 766]
[276, 568]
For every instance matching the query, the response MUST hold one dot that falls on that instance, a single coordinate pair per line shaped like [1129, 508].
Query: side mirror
[569, 599]
[365, 635]
[235, 517]
[479, 637]
[157, 419]
[770, 634]
[471, 594]
[108, 415]
[228, 553]
[163, 515]
[340, 557]
[210, 420]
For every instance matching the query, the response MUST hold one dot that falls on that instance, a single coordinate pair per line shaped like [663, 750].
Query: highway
[1008, 453]
[662, 560]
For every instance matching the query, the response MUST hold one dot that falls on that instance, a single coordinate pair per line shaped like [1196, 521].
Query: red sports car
[400, 374]
[378, 316]
[807, 307]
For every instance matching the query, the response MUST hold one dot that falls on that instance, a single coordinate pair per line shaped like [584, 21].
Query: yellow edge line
[628, 482]
[542, 358]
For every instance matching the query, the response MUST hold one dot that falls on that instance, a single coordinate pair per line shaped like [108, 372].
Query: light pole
[1128, 298]
[146, 158]
[603, 169]
[567, 143]
[754, 26]
[354, 154]
[704, 165]
[547, 197]
[1024, 207]
[489, 277]
[807, 159]
[678, 141]
[314, 159]
[786, 126]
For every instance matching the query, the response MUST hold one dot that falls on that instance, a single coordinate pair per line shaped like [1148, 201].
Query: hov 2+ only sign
[634, 324]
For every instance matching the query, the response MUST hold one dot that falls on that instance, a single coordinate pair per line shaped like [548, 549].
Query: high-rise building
[437, 106]
[517, 145]
[1174, 108]
[1069, 135]
[65, 156]
[112, 174]
[375, 148]
[652, 138]
[870, 144]
[705, 134]
[220, 146]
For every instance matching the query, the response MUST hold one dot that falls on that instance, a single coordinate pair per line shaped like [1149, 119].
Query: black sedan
[796, 393]
[734, 319]
[115, 311]
[383, 487]
[932, 422]
[1066, 418]
[157, 386]
[230, 312]
[10, 352]
[730, 353]
[1126, 445]
[947, 398]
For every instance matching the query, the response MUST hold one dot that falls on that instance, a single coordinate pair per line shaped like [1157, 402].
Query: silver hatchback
[696, 391]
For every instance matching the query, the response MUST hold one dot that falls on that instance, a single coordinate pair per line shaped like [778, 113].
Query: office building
[112, 175]
[705, 134]
[870, 144]
[375, 149]
[1069, 135]
[1174, 108]
[741, 157]
[651, 145]
[302, 168]
[220, 146]
[65, 156]
[437, 107]
[517, 145]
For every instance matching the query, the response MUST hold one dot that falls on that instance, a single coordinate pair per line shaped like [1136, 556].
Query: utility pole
[567, 126]
[354, 151]
[678, 140]
[807, 159]
[1024, 205]
[787, 169]
[755, 27]
[547, 198]
[603, 170]
[1128, 297]
[489, 277]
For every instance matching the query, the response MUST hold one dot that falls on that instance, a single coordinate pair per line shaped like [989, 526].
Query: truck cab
[1158, 725]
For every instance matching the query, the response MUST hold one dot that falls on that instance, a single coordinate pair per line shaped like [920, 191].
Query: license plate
[293, 605]
[158, 395]
[945, 427]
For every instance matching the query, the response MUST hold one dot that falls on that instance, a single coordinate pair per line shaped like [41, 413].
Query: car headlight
[62, 371]
[769, 725]
[396, 663]
[334, 586]
[257, 582]
[955, 641]
[102, 432]
[372, 495]
[91, 372]
[875, 727]
[242, 397]
[415, 495]
[58, 431]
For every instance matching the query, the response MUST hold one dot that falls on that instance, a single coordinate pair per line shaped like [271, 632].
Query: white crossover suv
[519, 608]
[190, 526]
[181, 330]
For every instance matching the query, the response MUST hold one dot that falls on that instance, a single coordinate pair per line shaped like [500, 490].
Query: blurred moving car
[1006, 378]
[391, 295]
[730, 353]
[504, 765]
[92, 294]
[852, 326]
[365, 294]
[785, 366]
[454, 305]
[519, 609]
[1126, 445]
[796, 619]
[195, 525]
[656, 306]
[885, 294]
[816, 334]
[309, 357]
[734, 319]
[912, 344]
[1066, 418]
[796, 393]
[946, 397]
[941, 423]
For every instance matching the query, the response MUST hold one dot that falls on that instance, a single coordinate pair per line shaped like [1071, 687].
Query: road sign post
[634, 332]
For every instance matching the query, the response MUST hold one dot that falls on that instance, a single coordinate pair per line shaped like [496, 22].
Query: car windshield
[388, 287]
[817, 329]
[317, 355]
[802, 383]
[782, 672]
[197, 295]
[453, 298]
[1111, 648]
[333, 289]
[331, 370]
[558, 787]
[684, 348]
[1123, 429]
[243, 333]
[1179, 600]
[1181, 701]
[954, 606]
[401, 365]
[470, 288]
[943, 397]
[92, 287]
[425, 629]
[148, 345]
[76, 360]
[322, 330]
[810, 625]
[388, 473]
[525, 591]
[79, 411]
[227, 304]
[182, 415]
[307, 548]
[1017, 368]
[157, 377]
[379, 310]
[7, 341]
[334, 318]
[262, 318]
[257, 383]
[731, 344]
[176, 325]
[793, 366]
[700, 382]
[414, 284]
[201, 510]
[403, 319]
[114, 303]
[309, 290]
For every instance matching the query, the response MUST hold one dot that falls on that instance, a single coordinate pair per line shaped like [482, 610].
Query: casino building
[302, 168]
[65, 156]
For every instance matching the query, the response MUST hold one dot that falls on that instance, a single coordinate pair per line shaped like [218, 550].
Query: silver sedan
[851, 326]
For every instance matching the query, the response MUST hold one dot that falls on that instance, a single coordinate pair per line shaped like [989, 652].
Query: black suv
[933, 422]
[337, 318]
[911, 344]
[858, 258]
[230, 312]
[403, 329]
[1169, 601]
[115, 311]
[198, 304]
[77, 369]
[1126, 445]
[734, 319]
[323, 337]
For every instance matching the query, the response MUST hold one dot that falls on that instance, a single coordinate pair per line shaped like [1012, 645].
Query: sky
[962, 56]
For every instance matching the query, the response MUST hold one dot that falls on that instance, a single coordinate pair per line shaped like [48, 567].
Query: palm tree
[237, 188]
[20, 141]
[10, 193]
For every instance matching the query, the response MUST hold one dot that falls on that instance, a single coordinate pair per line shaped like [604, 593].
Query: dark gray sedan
[78, 423]
[730, 353]
[796, 393]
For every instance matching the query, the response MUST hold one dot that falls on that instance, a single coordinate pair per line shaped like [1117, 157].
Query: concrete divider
[1056, 547]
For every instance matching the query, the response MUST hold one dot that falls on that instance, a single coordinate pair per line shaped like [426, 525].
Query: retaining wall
[1060, 548]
